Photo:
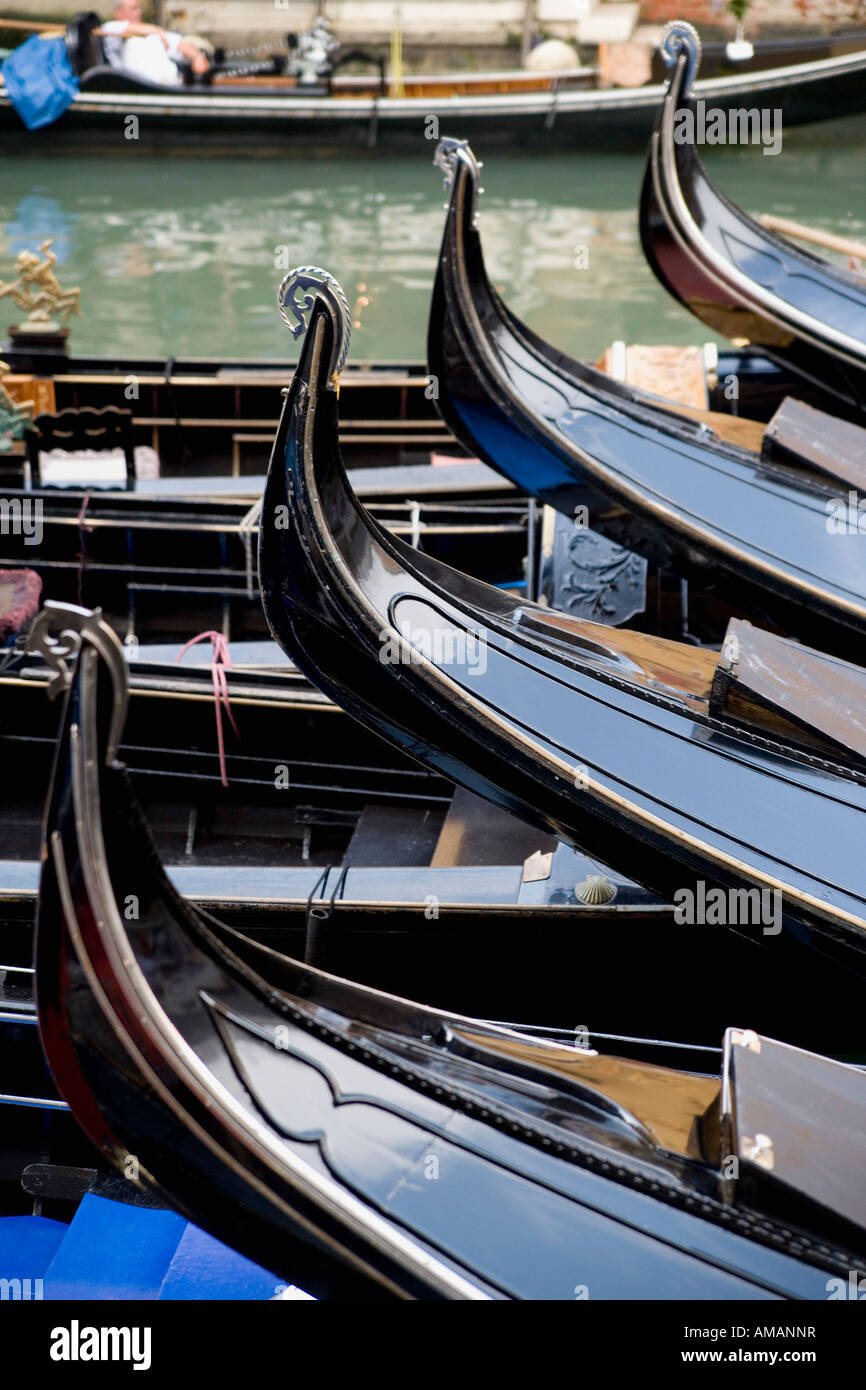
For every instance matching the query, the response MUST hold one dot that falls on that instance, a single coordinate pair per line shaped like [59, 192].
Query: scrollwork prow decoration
[58, 634]
[297, 295]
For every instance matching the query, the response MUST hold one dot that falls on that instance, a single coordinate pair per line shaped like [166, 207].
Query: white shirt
[145, 56]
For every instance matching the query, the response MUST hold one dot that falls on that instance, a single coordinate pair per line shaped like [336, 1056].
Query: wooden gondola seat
[92, 63]
[81, 436]
[771, 1094]
[83, 45]
[802, 437]
[777, 686]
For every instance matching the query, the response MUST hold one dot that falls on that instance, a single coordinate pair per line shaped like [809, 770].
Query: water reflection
[182, 256]
[37, 217]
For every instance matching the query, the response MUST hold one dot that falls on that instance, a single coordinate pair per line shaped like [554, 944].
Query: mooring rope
[249, 523]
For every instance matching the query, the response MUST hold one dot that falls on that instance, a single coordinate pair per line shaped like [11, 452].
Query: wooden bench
[401, 436]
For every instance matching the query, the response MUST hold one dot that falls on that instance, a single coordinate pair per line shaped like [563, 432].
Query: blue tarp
[39, 80]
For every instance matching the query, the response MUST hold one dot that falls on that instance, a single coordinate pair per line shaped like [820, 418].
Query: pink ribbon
[220, 661]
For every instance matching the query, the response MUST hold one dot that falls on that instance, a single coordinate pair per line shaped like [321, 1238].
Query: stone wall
[698, 12]
[764, 15]
[451, 23]
[355, 21]
[372, 21]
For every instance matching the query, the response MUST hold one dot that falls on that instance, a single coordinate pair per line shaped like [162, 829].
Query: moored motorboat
[718, 499]
[686, 765]
[340, 1136]
[735, 275]
[552, 110]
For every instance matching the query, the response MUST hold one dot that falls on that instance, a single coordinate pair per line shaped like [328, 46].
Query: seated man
[145, 50]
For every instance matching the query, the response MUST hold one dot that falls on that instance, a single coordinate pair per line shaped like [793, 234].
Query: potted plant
[739, 49]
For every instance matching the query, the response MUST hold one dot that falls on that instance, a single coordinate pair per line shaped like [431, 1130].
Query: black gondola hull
[736, 276]
[656, 482]
[336, 591]
[296, 1115]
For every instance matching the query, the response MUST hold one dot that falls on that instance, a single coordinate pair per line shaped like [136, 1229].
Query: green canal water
[182, 256]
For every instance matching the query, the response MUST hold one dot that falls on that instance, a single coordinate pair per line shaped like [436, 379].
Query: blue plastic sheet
[39, 81]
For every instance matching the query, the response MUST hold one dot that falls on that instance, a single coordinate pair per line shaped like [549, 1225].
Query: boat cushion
[781, 687]
[804, 437]
[20, 591]
[95, 468]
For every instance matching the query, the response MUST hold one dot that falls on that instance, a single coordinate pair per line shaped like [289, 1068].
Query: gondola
[274, 768]
[270, 771]
[340, 1136]
[736, 276]
[210, 419]
[380, 869]
[162, 568]
[240, 761]
[273, 114]
[722, 501]
[687, 766]
[274, 758]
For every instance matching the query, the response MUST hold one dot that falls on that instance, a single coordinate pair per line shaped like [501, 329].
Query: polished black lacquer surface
[541, 718]
[658, 482]
[735, 275]
[360, 1144]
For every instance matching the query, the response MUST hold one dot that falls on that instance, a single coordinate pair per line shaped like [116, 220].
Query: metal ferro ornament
[681, 40]
[296, 297]
[448, 153]
[59, 634]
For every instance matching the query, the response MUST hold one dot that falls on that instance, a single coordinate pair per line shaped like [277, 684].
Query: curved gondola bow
[732, 273]
[639, 750]
[359, 1144]
[646, 474]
